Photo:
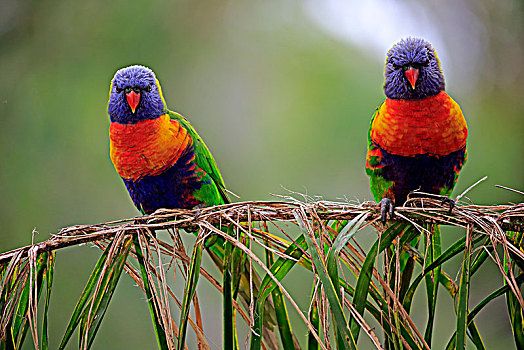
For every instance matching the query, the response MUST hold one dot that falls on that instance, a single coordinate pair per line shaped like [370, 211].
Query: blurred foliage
[278, 100]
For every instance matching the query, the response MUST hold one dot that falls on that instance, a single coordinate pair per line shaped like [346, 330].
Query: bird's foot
[199, 208]
[386, 206]
[449, 202]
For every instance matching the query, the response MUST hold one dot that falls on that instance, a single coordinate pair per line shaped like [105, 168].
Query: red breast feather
[148, 147]
[434, 126]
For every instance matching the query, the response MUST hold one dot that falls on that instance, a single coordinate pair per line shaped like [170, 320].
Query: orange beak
[412, 76]
[132, 100]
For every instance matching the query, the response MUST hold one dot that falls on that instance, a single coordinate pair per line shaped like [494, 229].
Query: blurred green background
[282, 93]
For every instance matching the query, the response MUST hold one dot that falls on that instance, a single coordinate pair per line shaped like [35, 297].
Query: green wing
[203, 157]
[379, 186]
[374, 155]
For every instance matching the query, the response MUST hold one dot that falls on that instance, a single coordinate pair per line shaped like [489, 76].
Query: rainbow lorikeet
[163, 161]
[416, 141]
[417, 137]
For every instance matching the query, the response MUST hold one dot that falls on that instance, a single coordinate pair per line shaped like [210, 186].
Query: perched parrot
[163, 161]
[416, 141]
[165, 164]
[417, 137]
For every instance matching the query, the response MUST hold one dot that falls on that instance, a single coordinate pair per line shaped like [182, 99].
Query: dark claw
[386, 206]
[449, 202]
[199, 211]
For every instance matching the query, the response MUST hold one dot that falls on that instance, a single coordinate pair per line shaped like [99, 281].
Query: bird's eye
[148, 88]
[127, 90]
[425, 64]
[118, 90]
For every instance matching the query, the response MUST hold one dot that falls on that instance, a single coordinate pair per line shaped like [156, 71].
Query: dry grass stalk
[488, 219]
[492, 221]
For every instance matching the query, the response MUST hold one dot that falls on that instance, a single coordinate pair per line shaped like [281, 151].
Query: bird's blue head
[135, 95]
[412, 70]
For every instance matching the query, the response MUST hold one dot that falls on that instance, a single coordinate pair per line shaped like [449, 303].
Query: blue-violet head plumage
[412, 70]
[135, 96]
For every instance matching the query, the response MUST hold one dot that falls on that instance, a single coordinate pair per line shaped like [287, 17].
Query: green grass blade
[481, 256]
[229, 336]
[20, 321]
[3, 269]
[391, 233]
[340, 242]
[502, 290]
[347, 232]
[473, 332]
[516, 318]
[340, 227]
[9, 343]
[463, 295]
[455, 249]
[7, 279]
[364, 278]
[331, 293]
[379, 314]
[452, 342]
[238, 270]
[518, 241]
[513, 305]
[227, 299]
[409, 237]
[284, 326]
[312, 343]
[279, 269]
[157, 326]
[189, 292]
[49, 284]
[95, 313]
[84, 297]
[20, 324]
[433, 251]
[471, 316]
[474, 335]
[282, 266]
[448, 284]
